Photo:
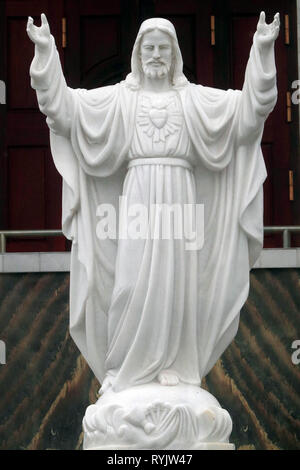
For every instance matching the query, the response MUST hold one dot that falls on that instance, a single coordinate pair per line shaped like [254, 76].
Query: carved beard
[159, 72]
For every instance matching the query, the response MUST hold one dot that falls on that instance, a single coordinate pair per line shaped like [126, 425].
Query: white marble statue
[150, 316]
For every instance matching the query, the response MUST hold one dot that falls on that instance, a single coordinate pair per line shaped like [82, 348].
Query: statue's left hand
[267, 33]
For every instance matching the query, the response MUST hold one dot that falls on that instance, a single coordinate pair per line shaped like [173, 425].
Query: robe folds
[91, 134]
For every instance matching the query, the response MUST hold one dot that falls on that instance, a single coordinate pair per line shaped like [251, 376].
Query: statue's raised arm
[259, 92]
[54, 97]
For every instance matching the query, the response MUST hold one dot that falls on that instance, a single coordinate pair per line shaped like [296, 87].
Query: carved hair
[134, 79]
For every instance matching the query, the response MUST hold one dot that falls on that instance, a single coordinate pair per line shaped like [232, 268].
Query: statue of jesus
[147, 310]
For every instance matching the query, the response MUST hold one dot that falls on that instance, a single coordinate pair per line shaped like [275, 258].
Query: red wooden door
[32, 197]
[100, 36]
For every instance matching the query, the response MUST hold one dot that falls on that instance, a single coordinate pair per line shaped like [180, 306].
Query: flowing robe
[176, 309]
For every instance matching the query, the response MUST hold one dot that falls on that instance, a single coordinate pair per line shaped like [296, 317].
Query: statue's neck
[156, 85]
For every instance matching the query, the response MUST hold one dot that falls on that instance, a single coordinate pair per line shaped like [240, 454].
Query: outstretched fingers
[261, 22]
[262, 18]
[44, 21]
[29, 21]
[38, 34]
[276, 21]
[270, 30]
[45, 24]
[30, 28]
[275, 25]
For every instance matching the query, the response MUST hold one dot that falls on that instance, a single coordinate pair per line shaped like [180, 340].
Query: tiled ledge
[34, 262]
[279, 258]
[60, 262]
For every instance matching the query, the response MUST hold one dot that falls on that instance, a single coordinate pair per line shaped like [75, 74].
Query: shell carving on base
[183, 417]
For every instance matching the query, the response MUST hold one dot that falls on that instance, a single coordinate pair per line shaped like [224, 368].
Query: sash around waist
[160, 161]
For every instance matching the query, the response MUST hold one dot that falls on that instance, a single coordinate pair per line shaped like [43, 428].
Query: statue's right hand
[39, 35]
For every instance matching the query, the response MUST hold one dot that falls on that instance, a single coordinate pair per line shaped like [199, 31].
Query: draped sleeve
[259, 93]
[53, 95]
[220, 121]
[94, 121]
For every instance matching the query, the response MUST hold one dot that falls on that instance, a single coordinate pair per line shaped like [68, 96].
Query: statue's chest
[159, 116]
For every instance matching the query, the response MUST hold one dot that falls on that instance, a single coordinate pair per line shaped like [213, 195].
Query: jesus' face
[156, 54]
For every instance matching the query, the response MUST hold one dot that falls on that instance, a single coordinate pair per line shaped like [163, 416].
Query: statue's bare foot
[106, 385]
[168, 377]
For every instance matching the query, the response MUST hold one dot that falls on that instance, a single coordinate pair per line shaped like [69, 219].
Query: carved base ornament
[155, 416]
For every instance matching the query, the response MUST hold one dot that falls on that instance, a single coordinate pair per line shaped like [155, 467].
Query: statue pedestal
[153, 416]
